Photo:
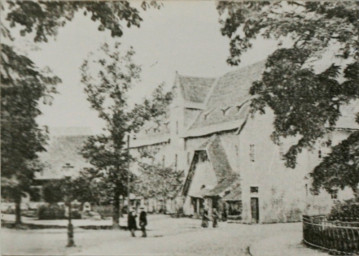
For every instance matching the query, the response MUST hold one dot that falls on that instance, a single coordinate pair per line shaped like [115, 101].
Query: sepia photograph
[179, 127]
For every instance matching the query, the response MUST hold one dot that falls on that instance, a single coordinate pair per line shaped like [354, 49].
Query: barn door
[255, 209]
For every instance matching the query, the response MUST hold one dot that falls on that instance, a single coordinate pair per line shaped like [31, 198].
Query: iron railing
[336, 237]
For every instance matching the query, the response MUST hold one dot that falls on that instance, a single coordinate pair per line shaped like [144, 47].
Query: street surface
[166, 236]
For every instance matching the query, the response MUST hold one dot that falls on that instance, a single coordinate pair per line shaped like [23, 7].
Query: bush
[51, 212]
[345, 211]
[53, 191]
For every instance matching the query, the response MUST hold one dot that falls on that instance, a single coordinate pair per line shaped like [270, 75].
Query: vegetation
[23, 84]
[306, 101]
[345, 211]
[157, 181]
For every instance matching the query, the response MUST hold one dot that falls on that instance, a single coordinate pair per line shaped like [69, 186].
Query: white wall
[284, 193]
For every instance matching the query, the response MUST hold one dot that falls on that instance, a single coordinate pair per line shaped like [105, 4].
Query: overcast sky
[182, 36]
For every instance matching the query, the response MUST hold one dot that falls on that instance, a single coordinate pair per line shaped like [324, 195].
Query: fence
[334, 236]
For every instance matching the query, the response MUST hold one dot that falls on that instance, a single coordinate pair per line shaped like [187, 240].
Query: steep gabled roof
[195, 89]
[233, 87]
[228, 101]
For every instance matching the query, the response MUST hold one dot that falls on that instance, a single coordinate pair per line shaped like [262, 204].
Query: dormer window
[225, 110]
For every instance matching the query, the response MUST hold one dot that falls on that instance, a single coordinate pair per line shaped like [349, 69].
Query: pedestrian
[224, 213]
[215, 217]
[205, 218]
[131, 222]
[143, 221]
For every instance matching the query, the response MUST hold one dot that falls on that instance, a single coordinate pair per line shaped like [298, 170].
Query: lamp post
[70, 228]
[128, 174]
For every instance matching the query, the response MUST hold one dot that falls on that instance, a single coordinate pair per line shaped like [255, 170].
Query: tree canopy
[23, 84]
[306, 97]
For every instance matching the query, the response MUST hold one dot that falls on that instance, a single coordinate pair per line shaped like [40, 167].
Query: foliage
[345, 211]
[303, 101]
[107, 79]
[340, 168]
[154, 108]
[23, 84]
[108, 75]
[53, 191]
[51, 212]
[304, 97]
[157, 181]
[44, 18]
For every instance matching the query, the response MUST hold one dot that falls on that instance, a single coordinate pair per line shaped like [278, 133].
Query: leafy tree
[306, 103]
[160, 182]
[107, 79]
[340, 168]
[23, 84]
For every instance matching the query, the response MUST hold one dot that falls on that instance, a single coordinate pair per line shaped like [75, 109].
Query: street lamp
[70, 228]
[128, 174]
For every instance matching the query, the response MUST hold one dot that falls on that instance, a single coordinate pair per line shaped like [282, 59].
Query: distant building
[63, 148]
[228, 157]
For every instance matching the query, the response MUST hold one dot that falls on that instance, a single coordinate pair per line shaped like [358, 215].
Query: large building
[229, 159]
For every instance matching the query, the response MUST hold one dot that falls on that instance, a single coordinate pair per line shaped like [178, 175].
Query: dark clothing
[205, 219]
[131, 222]
[143, 218]
[215, 218]
[143, 223]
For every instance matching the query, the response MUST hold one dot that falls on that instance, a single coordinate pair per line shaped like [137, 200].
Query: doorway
[255, 209]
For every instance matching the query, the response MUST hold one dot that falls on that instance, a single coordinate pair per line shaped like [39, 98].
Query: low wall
[333, 236]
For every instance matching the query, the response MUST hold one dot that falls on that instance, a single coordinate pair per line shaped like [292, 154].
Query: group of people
[132, 224]
[206, 219]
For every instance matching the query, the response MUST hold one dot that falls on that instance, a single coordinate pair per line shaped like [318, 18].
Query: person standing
[131, 222]
[143, 221]
[205, 219]
[215, 217]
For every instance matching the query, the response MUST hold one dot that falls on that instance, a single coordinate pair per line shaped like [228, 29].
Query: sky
[182, 36]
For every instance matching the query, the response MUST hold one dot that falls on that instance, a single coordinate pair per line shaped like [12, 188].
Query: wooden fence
[335, 236]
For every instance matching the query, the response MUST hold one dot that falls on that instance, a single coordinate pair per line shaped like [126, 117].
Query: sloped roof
[195, 89]
[221, 167]
[219, 118]
[235, 192]
[218, 159]
[229, 98]
[233, 87]
[62, 150]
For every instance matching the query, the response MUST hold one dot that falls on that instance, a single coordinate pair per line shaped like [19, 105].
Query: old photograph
[180, 127]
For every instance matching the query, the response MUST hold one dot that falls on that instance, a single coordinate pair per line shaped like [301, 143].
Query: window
[319, 153]
[251, 152]
[334, 194]
[254, 189]
[176, 127]
[176, 158]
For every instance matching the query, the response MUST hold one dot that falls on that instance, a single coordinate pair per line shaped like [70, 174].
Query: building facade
[229, 159]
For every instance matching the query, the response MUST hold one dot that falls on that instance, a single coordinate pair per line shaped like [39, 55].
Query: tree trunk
[18, 210]
[356, 193]
[116, 210]
[165, 205]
